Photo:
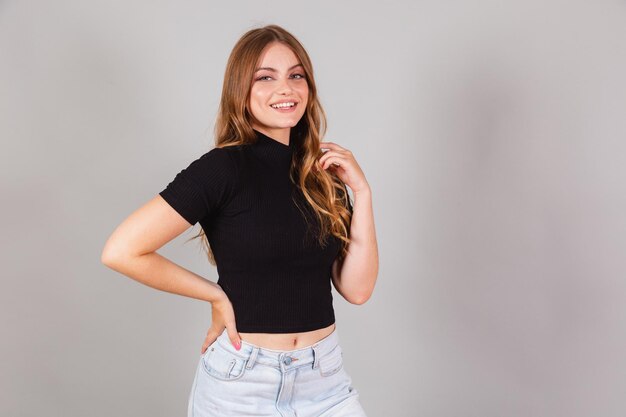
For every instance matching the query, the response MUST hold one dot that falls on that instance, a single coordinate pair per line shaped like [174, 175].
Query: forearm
[359, 269]
[160, 273]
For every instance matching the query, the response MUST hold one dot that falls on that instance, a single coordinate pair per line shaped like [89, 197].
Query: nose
[284, 87]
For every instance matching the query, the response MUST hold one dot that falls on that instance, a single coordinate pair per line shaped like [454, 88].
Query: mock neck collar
[274, 150]
[263, 137]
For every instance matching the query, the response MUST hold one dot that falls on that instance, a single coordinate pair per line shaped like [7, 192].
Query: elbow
[361, 299]
[108, 255]
[356, 295]
[353, 297]
[357, 301]
[111, 255]
[107, 258]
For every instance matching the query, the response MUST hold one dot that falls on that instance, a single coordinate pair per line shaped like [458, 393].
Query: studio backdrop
[491, 134]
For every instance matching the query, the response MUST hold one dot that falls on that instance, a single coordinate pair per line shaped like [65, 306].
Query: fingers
[208, 340]
[327, 160]
[231, 328]
[333, 154]
[330, 145]
[234, 337]
[224, 317]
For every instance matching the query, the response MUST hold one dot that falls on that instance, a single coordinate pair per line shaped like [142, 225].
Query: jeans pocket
[331, 362]
[222, 364]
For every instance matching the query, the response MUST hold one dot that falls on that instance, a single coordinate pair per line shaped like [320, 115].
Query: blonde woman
[278, 224]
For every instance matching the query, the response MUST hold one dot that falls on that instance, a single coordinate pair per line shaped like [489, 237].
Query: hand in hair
[341, 162]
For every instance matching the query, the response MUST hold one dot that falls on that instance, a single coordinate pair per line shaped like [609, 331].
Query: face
[279, 78]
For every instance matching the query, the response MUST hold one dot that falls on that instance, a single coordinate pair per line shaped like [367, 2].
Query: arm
[196, 192]
[355, 277]
[131, 250]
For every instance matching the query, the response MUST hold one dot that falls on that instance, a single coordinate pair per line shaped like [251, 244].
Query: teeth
[280, 105]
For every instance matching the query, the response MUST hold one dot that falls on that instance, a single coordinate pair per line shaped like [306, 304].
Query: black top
[268, 260]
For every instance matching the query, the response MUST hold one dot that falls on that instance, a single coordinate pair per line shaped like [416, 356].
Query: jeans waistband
[283, 359]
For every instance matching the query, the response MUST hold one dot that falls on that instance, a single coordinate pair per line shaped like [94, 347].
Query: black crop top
[268, 260]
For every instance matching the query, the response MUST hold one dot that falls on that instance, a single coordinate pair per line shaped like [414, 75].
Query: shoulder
[203, 186]
[226, 161]
[216, 160]
[218, 155]
[214, 168]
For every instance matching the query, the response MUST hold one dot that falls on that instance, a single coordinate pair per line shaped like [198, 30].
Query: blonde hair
[324, 191]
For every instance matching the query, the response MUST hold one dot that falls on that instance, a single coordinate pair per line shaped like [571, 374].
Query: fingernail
[238, 345]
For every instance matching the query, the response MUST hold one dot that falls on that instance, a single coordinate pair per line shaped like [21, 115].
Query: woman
[278, 224]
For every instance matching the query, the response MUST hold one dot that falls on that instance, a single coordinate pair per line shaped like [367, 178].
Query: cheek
[256, 92]
[304, 92]
[257, 99]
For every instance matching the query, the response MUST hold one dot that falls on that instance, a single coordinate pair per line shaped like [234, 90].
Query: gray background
[492, 135]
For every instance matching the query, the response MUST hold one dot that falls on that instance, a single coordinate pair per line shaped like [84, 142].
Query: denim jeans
[259, 382]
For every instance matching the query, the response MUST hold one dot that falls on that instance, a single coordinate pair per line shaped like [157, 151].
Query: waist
[273, 353]
[286, 341]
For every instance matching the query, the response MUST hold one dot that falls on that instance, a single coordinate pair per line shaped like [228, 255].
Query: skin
[132, 247]
[288, 82]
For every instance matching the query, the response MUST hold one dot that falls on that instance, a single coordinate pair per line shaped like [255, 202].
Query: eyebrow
[274, 69]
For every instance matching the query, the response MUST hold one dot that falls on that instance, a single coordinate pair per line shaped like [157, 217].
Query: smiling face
[279, 78]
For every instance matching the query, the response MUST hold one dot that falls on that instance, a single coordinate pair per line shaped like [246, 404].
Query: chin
[282, 124]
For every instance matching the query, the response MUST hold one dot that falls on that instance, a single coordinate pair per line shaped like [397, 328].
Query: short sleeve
[200, 189]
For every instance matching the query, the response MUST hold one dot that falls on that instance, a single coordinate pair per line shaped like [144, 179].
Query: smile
[283, 105]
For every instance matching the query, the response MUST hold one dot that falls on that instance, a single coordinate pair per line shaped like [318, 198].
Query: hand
[341, 162]
[223, 316]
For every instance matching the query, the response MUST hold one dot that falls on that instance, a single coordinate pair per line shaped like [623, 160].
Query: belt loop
[252, 358]
[315, 356]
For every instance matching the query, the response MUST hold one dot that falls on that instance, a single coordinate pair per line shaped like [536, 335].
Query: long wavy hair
[326, 194]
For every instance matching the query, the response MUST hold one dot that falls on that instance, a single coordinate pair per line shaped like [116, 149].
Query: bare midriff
[287, 341]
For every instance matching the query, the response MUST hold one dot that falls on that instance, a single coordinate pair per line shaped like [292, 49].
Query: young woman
[278, 223]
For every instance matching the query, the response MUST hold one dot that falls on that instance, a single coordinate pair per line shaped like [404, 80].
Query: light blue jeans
[260, 382]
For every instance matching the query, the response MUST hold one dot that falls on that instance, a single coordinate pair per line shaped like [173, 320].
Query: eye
[262, 77]
[298, 76]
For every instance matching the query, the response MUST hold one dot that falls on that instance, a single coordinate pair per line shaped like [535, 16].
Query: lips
[294, 102]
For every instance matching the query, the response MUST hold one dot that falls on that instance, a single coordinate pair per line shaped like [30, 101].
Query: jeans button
[287, 360]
